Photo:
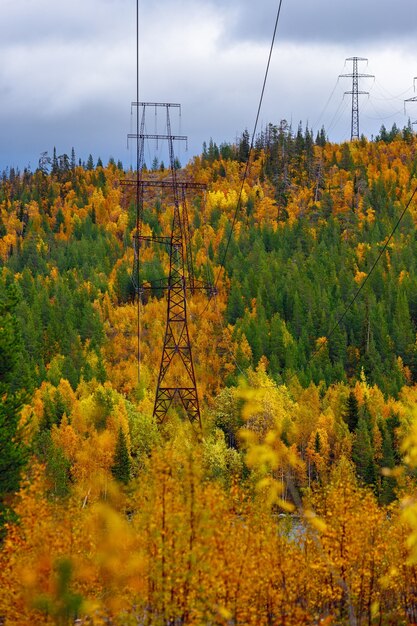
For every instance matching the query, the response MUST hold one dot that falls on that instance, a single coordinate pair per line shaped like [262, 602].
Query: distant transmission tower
[176, 380]
[354, 131]
[414, 98]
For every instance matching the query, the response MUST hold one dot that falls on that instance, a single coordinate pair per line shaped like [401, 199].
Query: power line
[327, 103]
[338, 115]
[355, 297]
[245, 174]
[390, 96]
[355, 129]
[381, 117]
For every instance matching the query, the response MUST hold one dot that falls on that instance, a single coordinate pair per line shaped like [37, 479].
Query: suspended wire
[239, 202]
[338, 114]
[381, 117]
[315, 126]
[246, 171]
[326, 105]
[355, 297]
[378, 112]
[391, 97]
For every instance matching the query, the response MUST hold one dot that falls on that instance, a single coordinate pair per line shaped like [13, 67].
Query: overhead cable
[362, 286]
[239, 200]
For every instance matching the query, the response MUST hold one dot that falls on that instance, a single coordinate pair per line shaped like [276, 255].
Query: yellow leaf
[314, 521]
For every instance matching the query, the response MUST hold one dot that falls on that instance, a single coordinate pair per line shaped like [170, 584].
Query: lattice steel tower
[355, 92]
[176, 379]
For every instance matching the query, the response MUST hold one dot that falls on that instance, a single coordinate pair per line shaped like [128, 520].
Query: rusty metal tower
[355, 92]
[176, 379]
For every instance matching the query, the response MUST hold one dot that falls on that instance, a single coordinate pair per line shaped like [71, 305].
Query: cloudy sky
[68, 70]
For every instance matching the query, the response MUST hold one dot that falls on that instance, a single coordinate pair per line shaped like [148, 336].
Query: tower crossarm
[157, 136]
[356, 59]
[165, 105]
[357, 75]
[164, 184]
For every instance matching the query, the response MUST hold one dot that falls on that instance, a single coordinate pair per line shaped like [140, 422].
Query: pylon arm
[156, 104]
[158, 137]
[357, 75]
[164, 184]
[198, 285]
[356, 59]
[165, 240]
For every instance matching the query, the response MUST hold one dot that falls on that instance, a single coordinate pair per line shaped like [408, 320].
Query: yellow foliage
[359, 276]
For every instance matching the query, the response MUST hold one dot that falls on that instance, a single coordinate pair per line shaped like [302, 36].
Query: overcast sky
[68, 70]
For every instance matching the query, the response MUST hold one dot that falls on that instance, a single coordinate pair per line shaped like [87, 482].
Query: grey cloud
[101, 131]
[26, 22]
[68, 75]
[326, 21]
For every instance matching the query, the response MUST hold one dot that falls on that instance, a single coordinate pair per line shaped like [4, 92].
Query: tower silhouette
[355, 92]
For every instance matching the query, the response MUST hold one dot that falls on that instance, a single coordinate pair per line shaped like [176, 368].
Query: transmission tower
[414, 98]
[176, 379]
[355, 92]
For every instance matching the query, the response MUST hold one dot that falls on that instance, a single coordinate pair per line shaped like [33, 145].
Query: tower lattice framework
[176, 380]
[355, 92]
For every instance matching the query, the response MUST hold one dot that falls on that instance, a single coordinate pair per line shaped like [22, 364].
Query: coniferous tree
[121, 462]
[244, 147]
[3, 230]
[388, 482]
[12, 450]
[321, 138]
[90, 162]
[362, 453]
[235, 306]
[59, 220]
[55, 166]
[351, 415]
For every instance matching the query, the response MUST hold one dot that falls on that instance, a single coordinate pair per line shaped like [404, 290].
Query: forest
[296, 502]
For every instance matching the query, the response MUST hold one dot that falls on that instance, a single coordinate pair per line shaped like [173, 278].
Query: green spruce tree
[351, 415]
[12, 450]
[362, 453]
[121, 462]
